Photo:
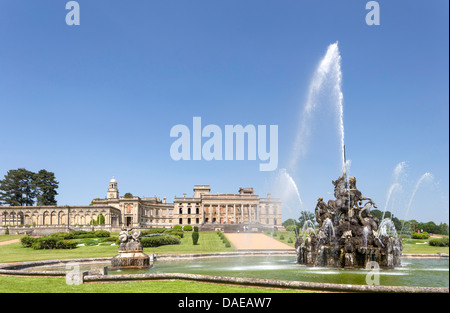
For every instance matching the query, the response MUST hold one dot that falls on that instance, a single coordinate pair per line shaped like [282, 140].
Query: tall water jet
[424, 177]
[284, 185]
[395, 185]
[328, 70]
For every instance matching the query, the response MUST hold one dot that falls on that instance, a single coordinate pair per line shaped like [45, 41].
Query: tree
[46, 186]
[101, 219]
[128, 195]
[305, 216]
[18, 188]
[23, 188]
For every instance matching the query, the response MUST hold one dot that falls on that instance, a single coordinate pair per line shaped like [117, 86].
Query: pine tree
[46, 186]
[18, 188]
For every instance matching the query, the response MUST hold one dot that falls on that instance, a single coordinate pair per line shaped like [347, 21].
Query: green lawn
[208, 242]
[421, 246]
[10, 284]
[9, 237]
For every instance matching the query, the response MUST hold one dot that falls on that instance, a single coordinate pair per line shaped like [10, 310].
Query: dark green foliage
[128, 195]
[46, 186]
[157, 241]
[177, 233]
[439, 242]
[224, 239]
[80, 234]
[423, 235]
[187, 227]
[195, 236]
[52, 243]
[196, 228]
[27, 241]
[23, 188]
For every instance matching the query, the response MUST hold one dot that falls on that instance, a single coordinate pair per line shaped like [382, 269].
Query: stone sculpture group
[349, 235]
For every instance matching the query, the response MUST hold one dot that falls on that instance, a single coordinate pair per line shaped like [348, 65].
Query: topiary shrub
[177, 227]
[195, 236]
[187, 227]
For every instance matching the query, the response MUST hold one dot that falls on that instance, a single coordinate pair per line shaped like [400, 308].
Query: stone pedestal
[130, 260]
[131, 253]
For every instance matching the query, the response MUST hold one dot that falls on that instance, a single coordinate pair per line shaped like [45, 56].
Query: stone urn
[130, 254]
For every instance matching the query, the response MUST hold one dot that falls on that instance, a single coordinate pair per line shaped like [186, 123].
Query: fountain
[349, 236]
[131, 253]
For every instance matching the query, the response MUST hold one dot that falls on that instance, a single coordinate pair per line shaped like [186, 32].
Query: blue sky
[96, 100]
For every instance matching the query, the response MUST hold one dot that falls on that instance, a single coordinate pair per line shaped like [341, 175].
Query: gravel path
[255, 241]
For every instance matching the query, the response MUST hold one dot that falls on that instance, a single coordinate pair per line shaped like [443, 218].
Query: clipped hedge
[47, 242]
[187, 227]
[80, 234]
[423, 235]
[439, 242]
[156, 241]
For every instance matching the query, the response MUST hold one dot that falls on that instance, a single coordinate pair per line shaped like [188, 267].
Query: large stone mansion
[204, 209]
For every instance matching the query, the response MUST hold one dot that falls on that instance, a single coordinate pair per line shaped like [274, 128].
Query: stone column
[203, 214]
[226, 208]
[234, 212]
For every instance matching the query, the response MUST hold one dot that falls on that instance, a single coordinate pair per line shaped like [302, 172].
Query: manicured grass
[208, 242]
[10, 284]
[10, 237]
[421, 246]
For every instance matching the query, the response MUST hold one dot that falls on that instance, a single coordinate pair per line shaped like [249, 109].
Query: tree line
[22, 187]
[409, 226]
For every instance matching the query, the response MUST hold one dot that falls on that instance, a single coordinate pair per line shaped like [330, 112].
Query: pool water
[413, 272]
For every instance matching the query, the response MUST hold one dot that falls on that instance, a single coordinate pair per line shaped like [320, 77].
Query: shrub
[102, 233]
[228, 244]
[157, 241]
[195, 236]
[439, 242]
[66, 244]
[187, 227]
[292, 228]
[196, 228]
[27, 241]
[423, 235]
[281, 237]
[177, 227]
[290, 240]
[109, 239]
[173, 232]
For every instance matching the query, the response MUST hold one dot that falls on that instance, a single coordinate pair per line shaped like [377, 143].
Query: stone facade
[204, 208]
[243, 207]
[47, 219]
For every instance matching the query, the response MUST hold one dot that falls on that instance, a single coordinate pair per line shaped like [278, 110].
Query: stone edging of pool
[23, 269]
